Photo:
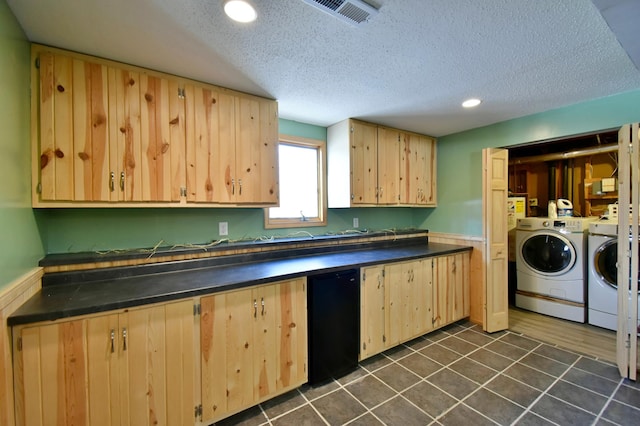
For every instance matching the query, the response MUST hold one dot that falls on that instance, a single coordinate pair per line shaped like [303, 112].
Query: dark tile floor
[462, 376]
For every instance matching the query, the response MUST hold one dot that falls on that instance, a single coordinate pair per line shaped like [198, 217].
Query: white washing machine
[602, 301]
[550, 266]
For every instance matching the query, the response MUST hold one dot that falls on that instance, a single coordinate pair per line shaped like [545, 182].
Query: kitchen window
[303, 200]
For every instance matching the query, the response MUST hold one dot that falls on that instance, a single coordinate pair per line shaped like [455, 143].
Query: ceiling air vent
[355, 12]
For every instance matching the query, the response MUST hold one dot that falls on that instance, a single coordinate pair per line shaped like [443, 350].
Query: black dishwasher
[333, 302]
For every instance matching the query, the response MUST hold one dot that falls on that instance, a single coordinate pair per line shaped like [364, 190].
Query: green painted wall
[79, 230]
[460, 155]
[20, 245]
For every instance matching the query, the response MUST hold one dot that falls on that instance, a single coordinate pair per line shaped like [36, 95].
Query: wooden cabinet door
[264, 341]
[51, 372]
[388, 165]
[372, 311]
[291, 331]
[451, 288]
[158, 353]
[256, 177]
[108, 134]
[419, 299]
[211, 147]
[417, 170]
[395, 283]
[364, 162]
[253, 346]
[74, 144]
[134, 368]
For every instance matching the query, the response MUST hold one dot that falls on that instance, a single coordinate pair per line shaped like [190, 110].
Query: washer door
[548, 253]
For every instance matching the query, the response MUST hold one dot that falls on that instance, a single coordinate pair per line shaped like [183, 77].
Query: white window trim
[321, 146]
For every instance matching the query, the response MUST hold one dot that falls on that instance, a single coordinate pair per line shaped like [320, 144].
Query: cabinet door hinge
[19, 344]
[196, 309]
[38, 63]
[39, 188]
[183, 191]
[181, 93]
[198, 411]
[364, 276]
[384, 338]
[383, 272]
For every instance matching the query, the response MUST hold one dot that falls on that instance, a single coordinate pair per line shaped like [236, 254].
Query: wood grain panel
[133, 136]
[82, 146]
[181, 369]
[213, 337]
[476, 270]
[241, 308]
[99, 132]
[46, 162]
[175, 173]
[11, 297]
[265, 348]
[63, 128]
[291, 323]
[388, 165]
[372, 311]
[364, 167]
[103, 372]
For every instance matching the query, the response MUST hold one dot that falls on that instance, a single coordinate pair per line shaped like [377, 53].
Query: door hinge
[19, 344]
[196, 309]
[384, 338]
[38, 63]
[39, 188]
[198, 411]
[181, 93]
[383, 272]
[364, 276]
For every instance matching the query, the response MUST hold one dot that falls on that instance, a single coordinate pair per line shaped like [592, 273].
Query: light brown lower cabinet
[253, 346]
[164, 364]
[133, 367]
[403, 300]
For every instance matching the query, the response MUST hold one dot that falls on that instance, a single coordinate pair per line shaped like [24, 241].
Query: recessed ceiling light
[240, 11]
[470, 103]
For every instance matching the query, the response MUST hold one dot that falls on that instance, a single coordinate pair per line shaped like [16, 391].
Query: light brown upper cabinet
[418, 170]
[383, 166]
[105, 133]
[232, 147]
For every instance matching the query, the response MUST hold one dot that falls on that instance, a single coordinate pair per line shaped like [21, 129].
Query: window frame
[321, 220]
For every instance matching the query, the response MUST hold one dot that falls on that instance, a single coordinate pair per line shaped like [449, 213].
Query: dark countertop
[99, 295]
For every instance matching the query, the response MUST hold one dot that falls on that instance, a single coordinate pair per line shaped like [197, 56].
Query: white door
[494, 210]
[628, 195]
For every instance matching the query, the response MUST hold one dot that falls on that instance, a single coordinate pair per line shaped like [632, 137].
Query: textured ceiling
[409, 67]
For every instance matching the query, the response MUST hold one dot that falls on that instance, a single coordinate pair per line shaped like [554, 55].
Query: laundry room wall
[459, 208]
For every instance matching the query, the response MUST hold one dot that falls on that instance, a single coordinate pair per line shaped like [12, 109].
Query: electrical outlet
[356, 222]
[533, 202]
[223, 228]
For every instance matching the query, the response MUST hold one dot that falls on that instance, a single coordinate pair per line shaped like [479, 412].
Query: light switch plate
[223, 228]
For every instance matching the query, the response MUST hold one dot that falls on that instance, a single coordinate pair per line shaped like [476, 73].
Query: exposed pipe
[565, 155]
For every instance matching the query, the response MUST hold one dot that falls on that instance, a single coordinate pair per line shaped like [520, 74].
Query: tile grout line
[606, 405]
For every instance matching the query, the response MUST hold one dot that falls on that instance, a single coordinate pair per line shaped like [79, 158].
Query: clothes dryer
[550, 267]
[602, 300]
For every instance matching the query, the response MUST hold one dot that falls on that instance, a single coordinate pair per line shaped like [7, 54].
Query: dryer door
[606, 263]
[548, 253]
